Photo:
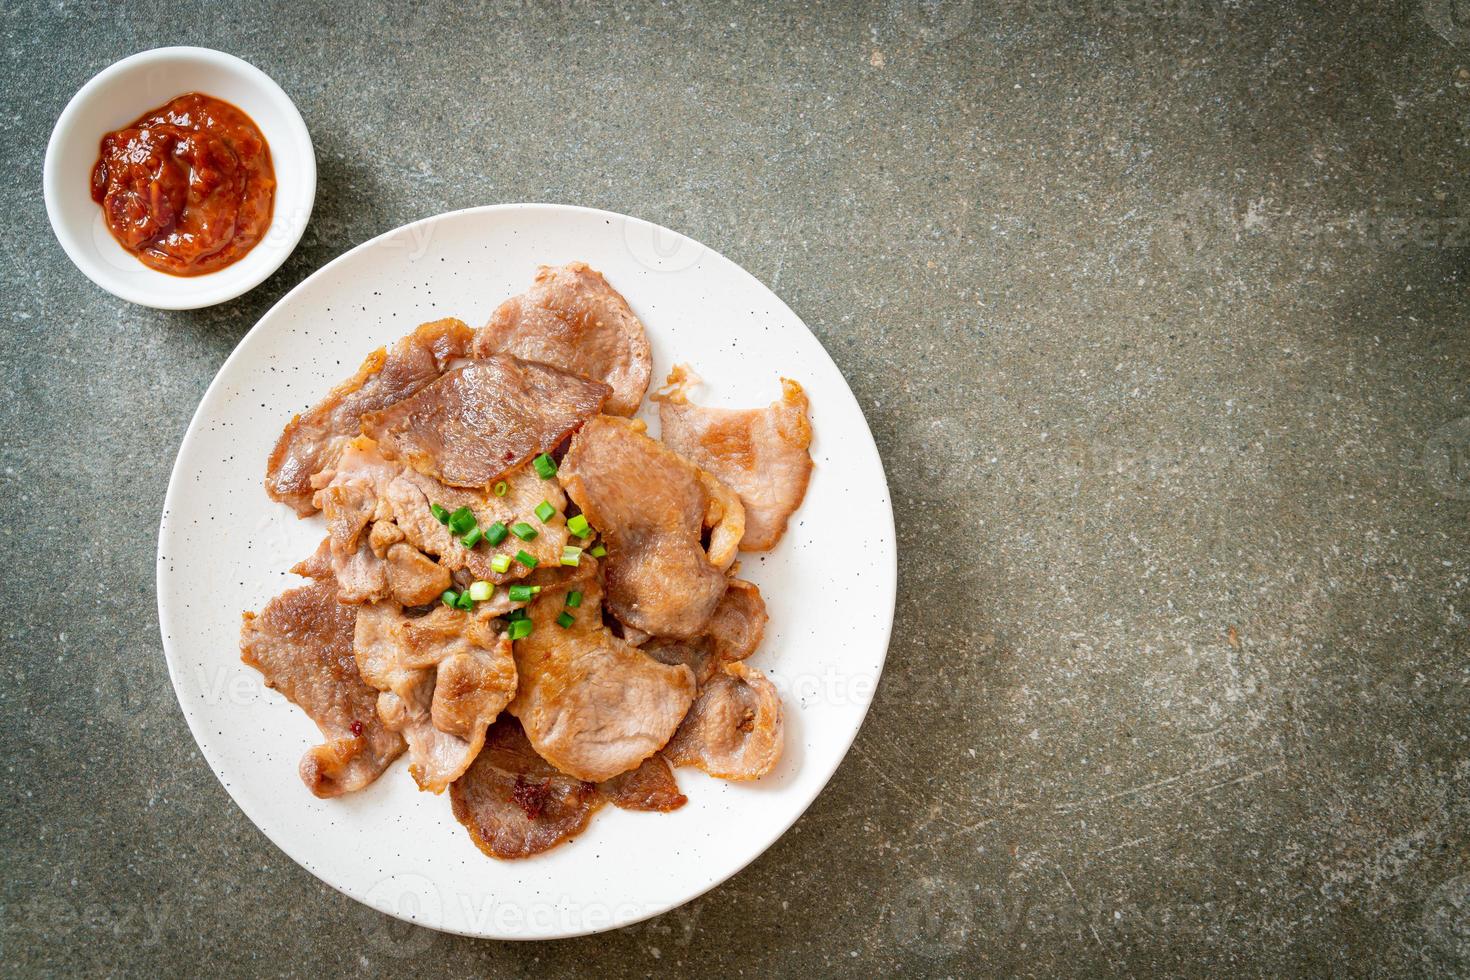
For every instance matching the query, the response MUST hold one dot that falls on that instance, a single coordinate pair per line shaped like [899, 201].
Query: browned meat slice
[651, 507]
[402, 500]
[733, 731]
[302, 643]
[311, 441]
[739, 621]
[572, 319]
[444, 678]
[649, 787]
[516, 804]
[760, 453]
[697, 654]
[414, 578]
[412, 494]
[480, 421]
[592, 705]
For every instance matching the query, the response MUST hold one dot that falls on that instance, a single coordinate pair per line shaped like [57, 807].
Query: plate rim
[888, 570]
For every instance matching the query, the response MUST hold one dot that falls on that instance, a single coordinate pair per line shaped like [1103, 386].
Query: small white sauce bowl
[120, 94]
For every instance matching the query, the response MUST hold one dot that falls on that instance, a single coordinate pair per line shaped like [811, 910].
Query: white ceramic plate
[224, 547]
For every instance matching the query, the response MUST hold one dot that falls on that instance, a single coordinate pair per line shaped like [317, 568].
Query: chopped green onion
[440, 514]
[516, 614]
[450, 598]
[597, 551]
[502, 488]
[466, 601]
[574, 598]
[571, 555]
[501, 564]
[472, 539]
[523, 530]
[545, 465]
[521, 593]
[525, 559]
[565, 620]
[496, 533]
[545, 511]
[462, 520]
[578, 525]
[481, 591]
[521, 628]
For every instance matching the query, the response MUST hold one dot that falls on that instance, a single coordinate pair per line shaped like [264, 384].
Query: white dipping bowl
[120, 94]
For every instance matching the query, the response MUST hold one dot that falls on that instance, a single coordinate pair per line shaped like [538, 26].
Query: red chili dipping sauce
[188, 188]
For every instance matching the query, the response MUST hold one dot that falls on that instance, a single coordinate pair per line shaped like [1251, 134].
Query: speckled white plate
[224, 547]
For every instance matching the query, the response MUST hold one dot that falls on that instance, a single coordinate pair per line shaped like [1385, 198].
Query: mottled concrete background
[1159, 312]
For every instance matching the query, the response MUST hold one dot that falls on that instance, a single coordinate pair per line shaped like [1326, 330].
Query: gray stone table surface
[1159, 313]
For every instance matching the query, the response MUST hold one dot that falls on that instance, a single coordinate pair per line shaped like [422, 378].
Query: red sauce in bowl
[188, 188]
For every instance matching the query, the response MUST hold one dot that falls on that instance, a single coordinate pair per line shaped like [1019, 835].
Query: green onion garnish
[496, 533]
[466, 602]
[578, 525]
[521, 593]
[500, 564]
[440, 514]
[525, 559]
[481, 590]
[472, 539]
[571, 555]
[545, 511]
[597, 551]
[565, 620]
[545, 465]
[450, 598]
[462, 521]
[516, 614]
[523, 530]
[502, 488]
[574, 598]
[521, 628]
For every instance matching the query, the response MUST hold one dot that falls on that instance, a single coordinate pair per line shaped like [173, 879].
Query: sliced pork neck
[483, 419]
[311, 441]
[734, 730]
[302, 644]
[572, 319]
[760, 453]
[592, 705]
[652, 507]
[443, 678]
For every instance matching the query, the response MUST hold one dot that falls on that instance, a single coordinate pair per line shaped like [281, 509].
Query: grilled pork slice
[734, 729]
[733, 633]
[479, 421]
[515, 804]
[302, 643]
[652, 507]
[759, 453]
[400, 501]
[739, 621]
[312, 441]
[592, 705]
[572, 319]
[444, 678]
